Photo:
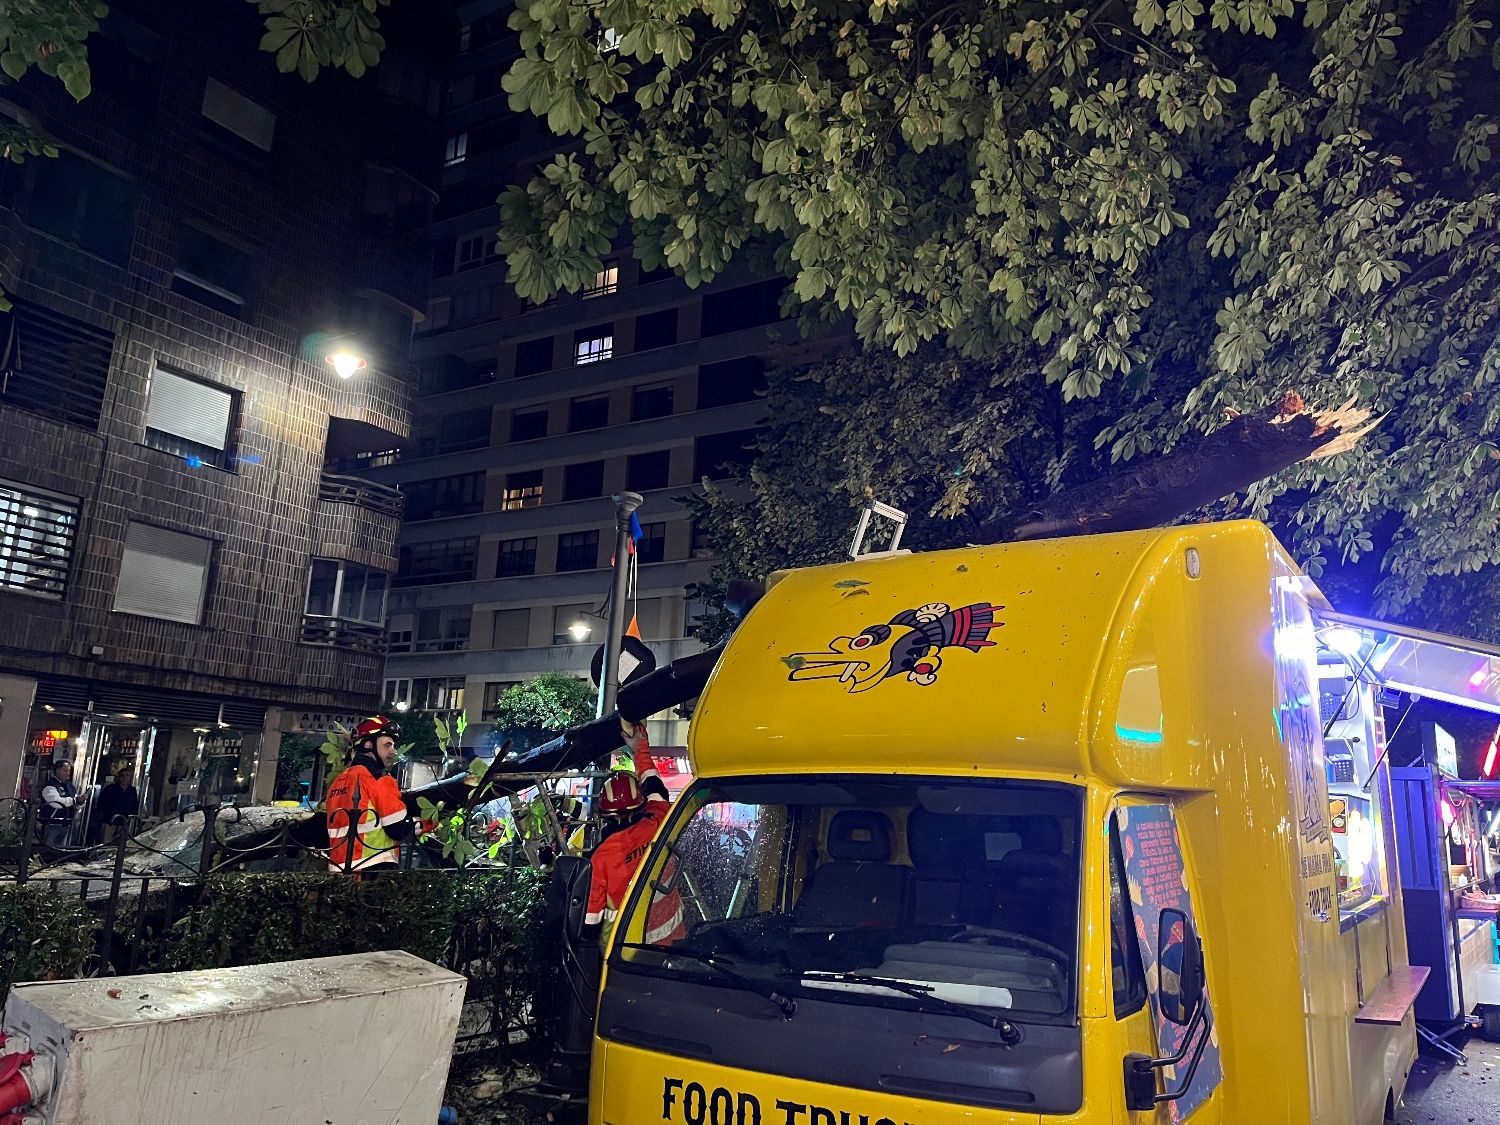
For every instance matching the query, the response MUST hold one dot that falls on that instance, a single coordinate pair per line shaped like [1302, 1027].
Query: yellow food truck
[1039, 832]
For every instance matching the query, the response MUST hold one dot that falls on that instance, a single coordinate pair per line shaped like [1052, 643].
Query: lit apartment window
[445, 693]
[607, 280]
[457, 149]
[517, 558]
[189, 418]
[522, 490]
[590, 345]
[163, 574]
[37, 531]
[578, 551]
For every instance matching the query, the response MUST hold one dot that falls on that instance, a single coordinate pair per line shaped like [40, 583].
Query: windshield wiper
[1010, 1034]
[787, 1005]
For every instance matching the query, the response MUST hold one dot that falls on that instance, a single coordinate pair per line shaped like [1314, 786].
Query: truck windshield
[966, 889]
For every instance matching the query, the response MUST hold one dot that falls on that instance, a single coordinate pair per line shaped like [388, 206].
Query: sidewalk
[1444, 1093]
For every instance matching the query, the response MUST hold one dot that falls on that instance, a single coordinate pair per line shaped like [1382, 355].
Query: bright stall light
[346, 363]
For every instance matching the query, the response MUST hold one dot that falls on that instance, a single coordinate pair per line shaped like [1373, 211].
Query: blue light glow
[1152, 737]
[194, 462]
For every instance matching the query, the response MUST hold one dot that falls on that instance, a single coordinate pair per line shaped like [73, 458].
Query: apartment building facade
[187, 568]
[528, 419]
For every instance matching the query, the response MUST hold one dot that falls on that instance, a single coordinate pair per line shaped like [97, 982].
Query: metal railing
[342, 633]
[137, 915]
[337, 488]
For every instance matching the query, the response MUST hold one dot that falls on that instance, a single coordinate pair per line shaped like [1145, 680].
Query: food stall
[1445, 866]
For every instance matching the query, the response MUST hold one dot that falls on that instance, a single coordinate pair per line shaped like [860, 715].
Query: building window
[651, 547]
[454, 433]
[588, 413]
[79, 202]
[607, 280]
[476, 251]
[439, 315]
[717, 455]
[444, 693]
[163, 574]
[457, 149]
[37, 533]
[493, 691]
[443, 630]
[590, 345]
[749, 306]
[653, 401]
[444, 496]
[522, 490]
[511, 629]
[445, 560]
[645, 471]
[566, 619]
[346, 591]
[189, 419]
[212, 272]
[236, 125]
[398, 691]
[53, 365]
[517, 558]
[483, 303]
[534, 356]
[656, 330]
[578, 551]
[528, 425]
[701, 547]
[733, 380]
[398, 640]
[442, 374]
[583, 481]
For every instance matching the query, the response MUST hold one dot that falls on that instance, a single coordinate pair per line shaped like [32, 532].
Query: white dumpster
[361, 1040]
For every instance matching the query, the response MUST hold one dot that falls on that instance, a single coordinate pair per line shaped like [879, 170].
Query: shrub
[43, 935]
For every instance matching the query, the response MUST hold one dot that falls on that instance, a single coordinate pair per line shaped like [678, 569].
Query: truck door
[1147, 876]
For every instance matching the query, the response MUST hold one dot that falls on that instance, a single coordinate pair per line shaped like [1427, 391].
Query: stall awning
[1451, 669]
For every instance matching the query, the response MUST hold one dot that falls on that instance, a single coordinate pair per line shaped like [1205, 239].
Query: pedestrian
[118, 803]
[631, 807]
[367, 799]
[59, 805]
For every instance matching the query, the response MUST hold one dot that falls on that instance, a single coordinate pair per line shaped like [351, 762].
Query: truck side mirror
[1179, 967]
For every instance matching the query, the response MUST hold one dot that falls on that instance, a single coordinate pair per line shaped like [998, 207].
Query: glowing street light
[346, 363]
[580, 631]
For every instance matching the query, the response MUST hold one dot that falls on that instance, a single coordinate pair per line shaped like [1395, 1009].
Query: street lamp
[580, 630]
[346, 363]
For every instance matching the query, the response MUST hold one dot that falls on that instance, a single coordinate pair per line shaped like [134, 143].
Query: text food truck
[1036, 832]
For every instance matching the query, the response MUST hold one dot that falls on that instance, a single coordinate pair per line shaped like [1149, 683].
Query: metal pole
[609, 673]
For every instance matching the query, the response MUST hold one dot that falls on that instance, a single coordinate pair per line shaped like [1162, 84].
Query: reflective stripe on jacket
[379, 802]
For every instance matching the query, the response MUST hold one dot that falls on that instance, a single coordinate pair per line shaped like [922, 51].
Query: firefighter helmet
[372, 728]
[621, 795]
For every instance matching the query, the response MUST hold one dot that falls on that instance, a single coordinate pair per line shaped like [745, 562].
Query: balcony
[357, 520]
[337, 488]
[339, 633]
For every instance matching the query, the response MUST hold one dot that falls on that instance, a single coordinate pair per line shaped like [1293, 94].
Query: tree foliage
[1120, 219]
[531, 712]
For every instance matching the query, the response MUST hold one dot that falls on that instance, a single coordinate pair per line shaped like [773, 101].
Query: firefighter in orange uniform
[631, 807]
[382, 819]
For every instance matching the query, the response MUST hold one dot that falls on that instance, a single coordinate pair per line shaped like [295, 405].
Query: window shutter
[189, 409]
[163, 574]
[244, 118]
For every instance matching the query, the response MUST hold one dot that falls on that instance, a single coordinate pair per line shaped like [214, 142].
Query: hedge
[44, 935]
